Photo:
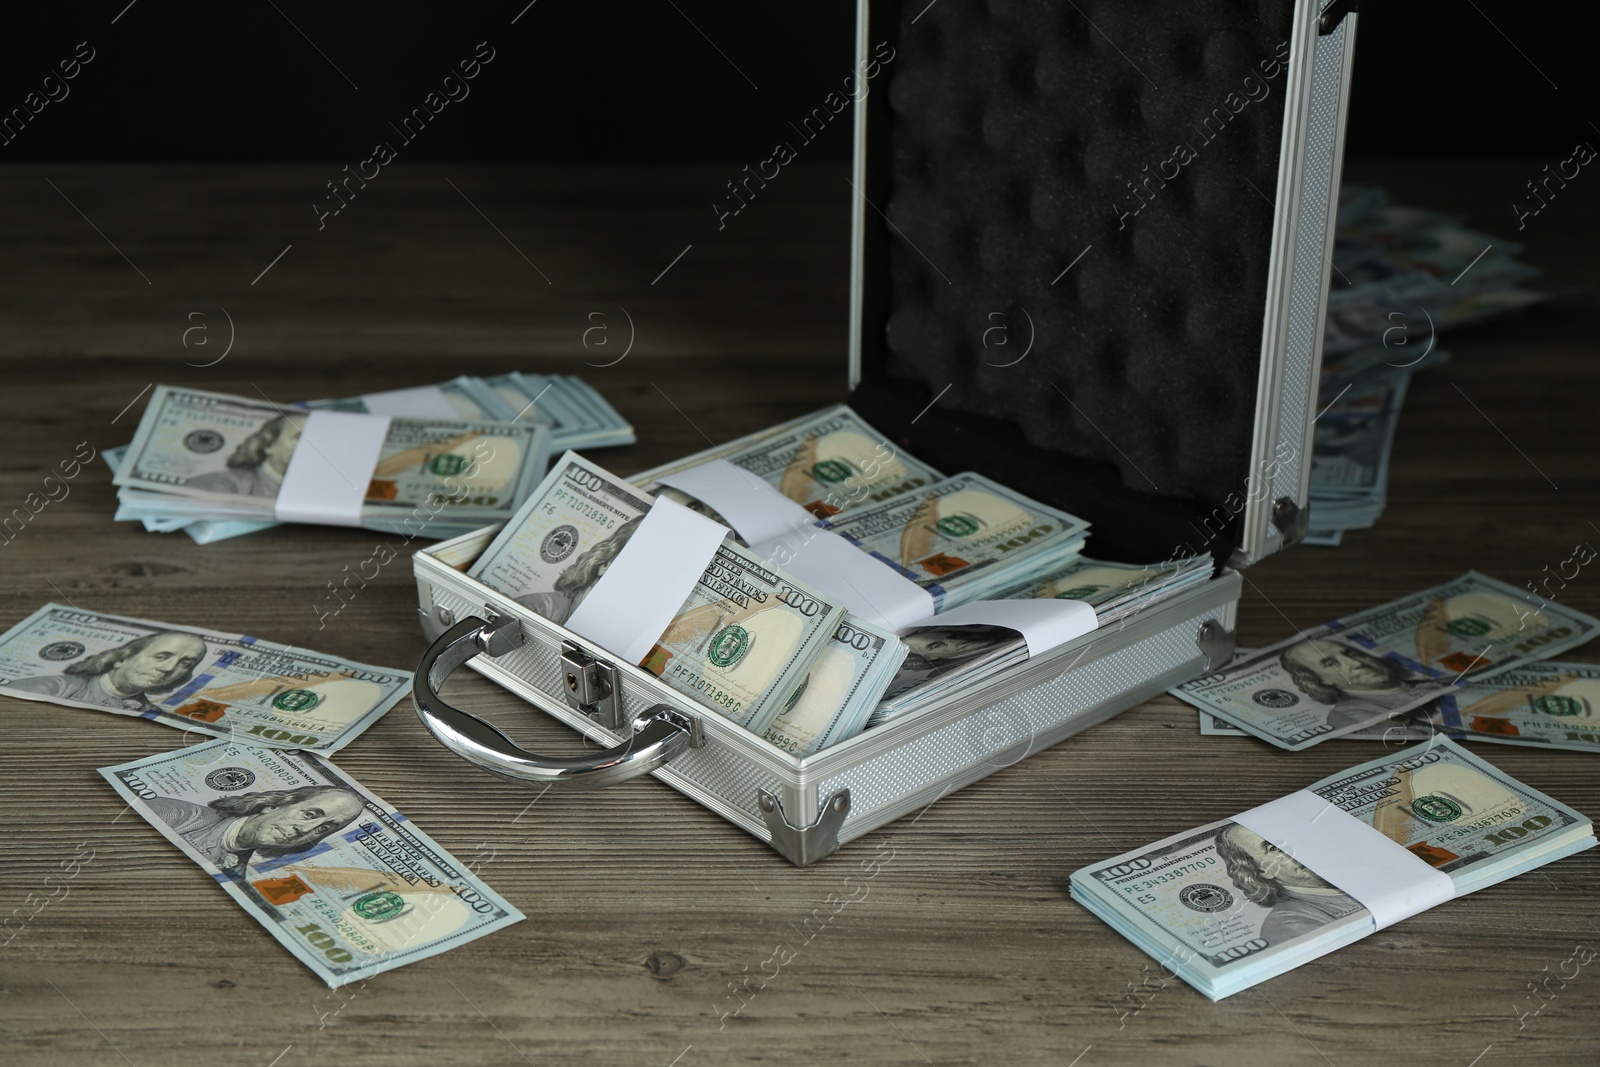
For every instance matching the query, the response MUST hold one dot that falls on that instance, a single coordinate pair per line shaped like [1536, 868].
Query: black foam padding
[1004, 142]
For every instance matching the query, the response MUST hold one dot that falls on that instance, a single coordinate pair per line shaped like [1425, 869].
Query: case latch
[590, 686]
[803, 847]
[1216, 644]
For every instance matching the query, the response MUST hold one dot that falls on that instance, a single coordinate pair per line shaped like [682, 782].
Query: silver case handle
[657, 735]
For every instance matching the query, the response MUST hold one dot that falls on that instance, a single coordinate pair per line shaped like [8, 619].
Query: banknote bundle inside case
[819, 614]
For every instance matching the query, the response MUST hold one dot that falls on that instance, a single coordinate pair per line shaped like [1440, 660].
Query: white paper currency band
[1336, 846]
[640, 594]
[331, 468]
[786, 535]
[1043, 623]
[752, 507]
[868, 587]
[423, 401]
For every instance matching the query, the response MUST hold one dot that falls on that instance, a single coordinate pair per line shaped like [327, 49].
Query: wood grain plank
[645, 911]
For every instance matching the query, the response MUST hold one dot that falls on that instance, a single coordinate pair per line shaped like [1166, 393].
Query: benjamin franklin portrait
[936, 650]
[121, 677]
[1355, 684]
[574, 583]
[1300, 902]
[257, 466]
[229, 831]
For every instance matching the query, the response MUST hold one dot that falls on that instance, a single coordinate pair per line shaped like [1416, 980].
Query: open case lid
[1091, 253]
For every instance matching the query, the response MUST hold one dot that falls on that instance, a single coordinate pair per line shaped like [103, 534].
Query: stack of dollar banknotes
[1233, 903]
[1401, 275]
[444, 459]
[1230, 904]
[782, 657]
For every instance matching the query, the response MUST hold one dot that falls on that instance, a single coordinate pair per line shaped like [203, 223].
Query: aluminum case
[806, 808]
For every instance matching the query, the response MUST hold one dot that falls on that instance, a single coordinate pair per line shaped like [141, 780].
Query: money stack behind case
[1148, 227]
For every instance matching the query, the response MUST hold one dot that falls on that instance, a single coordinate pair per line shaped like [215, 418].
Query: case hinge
[1334, 14]
[500, 633]
[590, 686]
[1291, 519]
[803, 847]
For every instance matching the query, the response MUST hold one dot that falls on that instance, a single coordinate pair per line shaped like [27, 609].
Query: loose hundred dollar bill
[1225, 910]
[210, 455]
[1542, 705]
[741, 643]
[965, 538]
[842, 688]
[222, 684]
[1403, 726]
[828, 462]
[348, 884]
[1545, 705]
[1356, 671]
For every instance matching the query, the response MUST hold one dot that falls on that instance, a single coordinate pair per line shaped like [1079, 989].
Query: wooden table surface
[645, 910]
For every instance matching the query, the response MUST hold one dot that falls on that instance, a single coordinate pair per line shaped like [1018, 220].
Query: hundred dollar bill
[1403, 726]
[828, 462]
[1225, 910]
[940, 658]
[345, 882]
[1354, 437]
[561, 542]
[222, 684]
[843, 686]
[742, 642]
[965, 538]
[579, 416]
[459, 398]
[210, 455]
[1544, 705]
[1116, 590]
[1354, 672]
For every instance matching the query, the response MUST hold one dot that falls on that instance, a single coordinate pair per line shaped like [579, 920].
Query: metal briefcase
[1157, 261]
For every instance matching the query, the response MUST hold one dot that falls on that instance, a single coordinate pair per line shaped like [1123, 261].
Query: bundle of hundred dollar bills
[1234, 903]
[245, 450]
[1401, 275]
[943, 657]
[775, 652]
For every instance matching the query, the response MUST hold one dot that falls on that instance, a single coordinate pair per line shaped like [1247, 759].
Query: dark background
[181, 80]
